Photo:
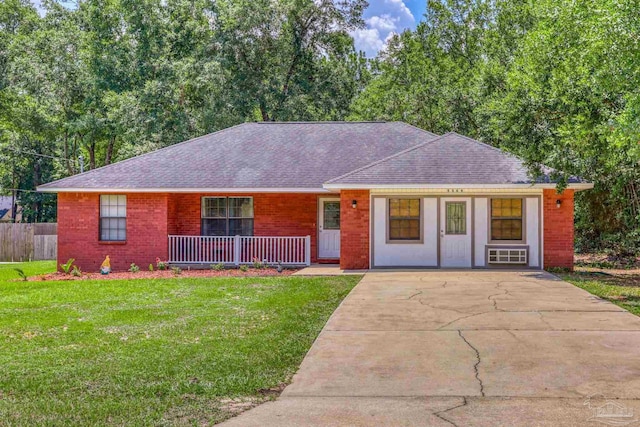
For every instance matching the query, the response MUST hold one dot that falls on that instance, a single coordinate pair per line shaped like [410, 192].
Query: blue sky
[384, 18]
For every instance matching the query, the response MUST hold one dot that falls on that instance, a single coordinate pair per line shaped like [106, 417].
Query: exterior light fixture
[354, 204]
[558, 203]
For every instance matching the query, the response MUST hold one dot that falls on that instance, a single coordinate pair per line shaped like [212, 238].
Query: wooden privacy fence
[25, 242]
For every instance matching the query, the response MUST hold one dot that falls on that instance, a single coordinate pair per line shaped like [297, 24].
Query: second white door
[329, 228]
[455, 232]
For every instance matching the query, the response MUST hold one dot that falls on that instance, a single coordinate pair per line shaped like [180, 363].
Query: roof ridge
[377, 162]
[420, 129]
[484, 144]
[120, 162]
[320, 122]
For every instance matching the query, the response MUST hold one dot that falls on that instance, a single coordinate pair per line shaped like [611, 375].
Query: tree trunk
[92, 155]
[109, 153]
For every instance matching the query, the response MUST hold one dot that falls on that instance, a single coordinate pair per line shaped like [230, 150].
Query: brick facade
[152, 217]
[558, 229]
[78, 231]
[354, 229]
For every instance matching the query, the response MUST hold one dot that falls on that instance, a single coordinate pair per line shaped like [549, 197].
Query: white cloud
[382, 23]
[368, 40]
[383, 18]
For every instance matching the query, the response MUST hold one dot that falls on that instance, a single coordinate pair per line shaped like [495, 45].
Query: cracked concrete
[475, 366]
[484, 348]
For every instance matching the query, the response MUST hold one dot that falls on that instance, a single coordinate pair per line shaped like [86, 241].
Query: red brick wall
[275, 214]
[78, 231]
[558, 229]
[151, 217]
[354, 229]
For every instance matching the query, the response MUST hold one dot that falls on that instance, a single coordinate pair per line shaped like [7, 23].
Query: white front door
[455, 232]
[329, 228]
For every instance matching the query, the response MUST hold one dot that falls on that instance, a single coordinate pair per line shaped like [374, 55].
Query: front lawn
[620, 289]
[179, 351]
[8, 272]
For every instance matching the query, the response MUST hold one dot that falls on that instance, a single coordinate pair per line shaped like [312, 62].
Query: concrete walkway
[465, 348]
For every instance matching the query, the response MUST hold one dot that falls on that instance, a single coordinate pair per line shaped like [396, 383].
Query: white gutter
[577, 187]
[180, 190]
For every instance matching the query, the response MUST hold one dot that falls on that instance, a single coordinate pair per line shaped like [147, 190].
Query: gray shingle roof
[446, 160]
[255, 155]
[307, 155]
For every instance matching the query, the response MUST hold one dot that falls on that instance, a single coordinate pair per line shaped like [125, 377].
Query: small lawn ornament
[105, 268]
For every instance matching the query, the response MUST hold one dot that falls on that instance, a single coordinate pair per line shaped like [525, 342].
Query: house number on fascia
[455, 190]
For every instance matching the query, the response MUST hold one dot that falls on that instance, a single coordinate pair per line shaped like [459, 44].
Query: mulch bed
[164, 274]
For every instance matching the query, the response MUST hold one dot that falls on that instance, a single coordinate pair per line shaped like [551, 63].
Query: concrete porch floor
[326, 270]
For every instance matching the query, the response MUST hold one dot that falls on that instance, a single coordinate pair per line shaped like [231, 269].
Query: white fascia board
[577, 187]
[182, 190]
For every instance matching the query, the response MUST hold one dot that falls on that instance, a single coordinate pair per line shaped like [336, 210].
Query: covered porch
[288, 251]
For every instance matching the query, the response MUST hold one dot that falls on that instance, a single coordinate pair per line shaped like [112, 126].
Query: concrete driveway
[477, 348]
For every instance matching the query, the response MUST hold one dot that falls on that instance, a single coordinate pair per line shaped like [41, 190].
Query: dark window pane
[214, 227]
[241, 227]
[331, 215]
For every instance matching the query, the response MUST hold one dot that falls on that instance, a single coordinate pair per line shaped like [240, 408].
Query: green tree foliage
[556, 82]
[109, 79]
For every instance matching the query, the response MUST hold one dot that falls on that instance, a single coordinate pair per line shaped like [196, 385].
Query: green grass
[620, 290]
[7, 271]
[152, 352]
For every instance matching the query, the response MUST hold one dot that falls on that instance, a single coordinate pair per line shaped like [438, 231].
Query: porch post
[236, 250]
[307, 250]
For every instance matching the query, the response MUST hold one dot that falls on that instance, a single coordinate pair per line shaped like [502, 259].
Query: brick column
[558, 229]
[354, 229]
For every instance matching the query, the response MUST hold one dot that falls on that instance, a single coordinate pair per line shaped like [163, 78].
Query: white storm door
[329, 228]
[455, 232]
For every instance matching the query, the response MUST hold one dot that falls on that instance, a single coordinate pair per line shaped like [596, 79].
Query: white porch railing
[239, 250]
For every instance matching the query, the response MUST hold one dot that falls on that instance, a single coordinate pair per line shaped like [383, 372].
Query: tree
[282, 56]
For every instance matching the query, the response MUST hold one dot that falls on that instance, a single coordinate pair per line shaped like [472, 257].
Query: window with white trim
[227, 216]
[113, 218]
[506, 219]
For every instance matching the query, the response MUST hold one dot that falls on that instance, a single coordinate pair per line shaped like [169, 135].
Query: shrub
[161, 265]
[134, 268]
[66, 267]
[21, 273]
[76, 271]
[150, 267]
[217, 267]
[257, 264]
[176, 271]
[244, 268]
